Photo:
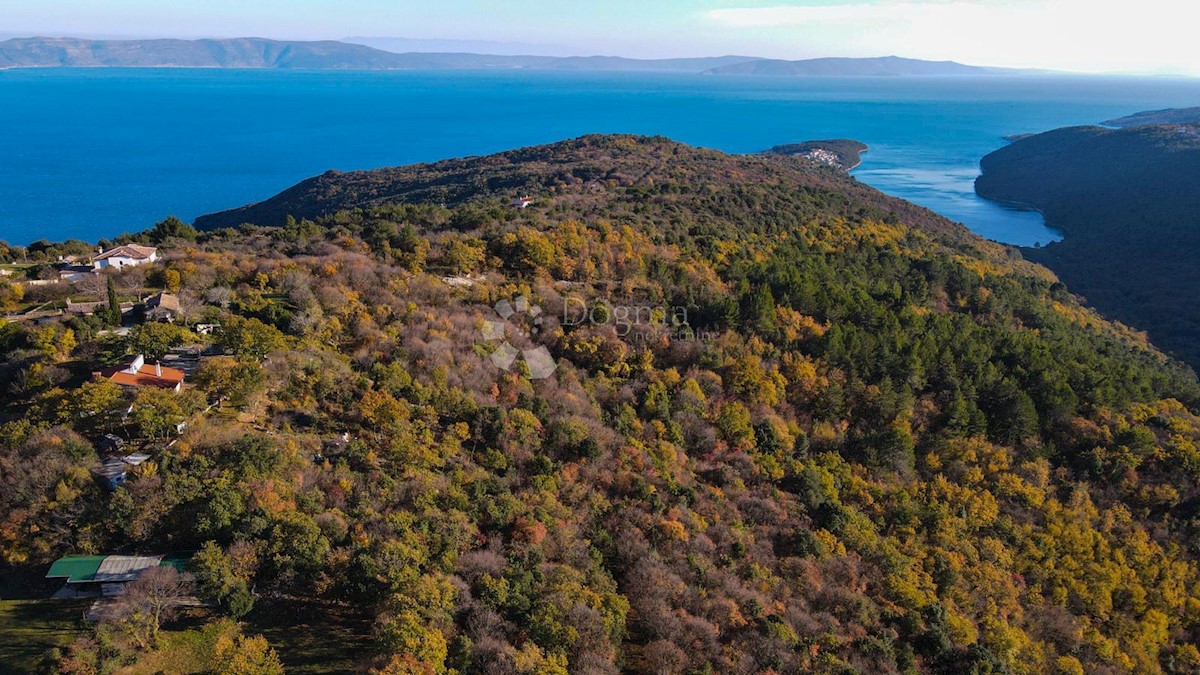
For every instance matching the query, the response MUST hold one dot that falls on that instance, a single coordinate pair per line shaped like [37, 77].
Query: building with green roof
[76, 569]
[110, 572]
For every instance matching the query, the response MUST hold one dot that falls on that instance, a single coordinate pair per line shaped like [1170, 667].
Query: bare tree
[153, 598]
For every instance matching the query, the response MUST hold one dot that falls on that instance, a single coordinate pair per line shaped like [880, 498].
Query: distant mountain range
[260, 53]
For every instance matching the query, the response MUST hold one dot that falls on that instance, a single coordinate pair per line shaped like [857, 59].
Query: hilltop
[587, 171]
[1127, 205]
[679, 412]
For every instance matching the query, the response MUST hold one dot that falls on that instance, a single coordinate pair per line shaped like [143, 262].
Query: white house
[127, 255]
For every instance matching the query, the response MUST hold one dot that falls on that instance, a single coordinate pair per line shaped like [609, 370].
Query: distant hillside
[840, 152]
[233, 53]
[1127, 203]
[260, 53]
[697, 65]
[1151, 117]
[888, 66]
[402, 45]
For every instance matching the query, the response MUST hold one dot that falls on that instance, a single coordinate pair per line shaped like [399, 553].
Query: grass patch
[313, 638]
[30, 628]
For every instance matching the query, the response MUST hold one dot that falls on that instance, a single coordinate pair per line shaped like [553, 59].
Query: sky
[1146, 36]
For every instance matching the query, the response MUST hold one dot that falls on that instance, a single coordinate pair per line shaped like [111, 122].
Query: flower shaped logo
[526, 319]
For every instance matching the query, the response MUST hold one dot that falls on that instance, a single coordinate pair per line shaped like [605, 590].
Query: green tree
[249, 338]
[172, 227]
[217, 580]
[156, 339]
[295, 544]
[96, 405]
[760, 311]
[114, 304]
[734, 424]
[157, 412]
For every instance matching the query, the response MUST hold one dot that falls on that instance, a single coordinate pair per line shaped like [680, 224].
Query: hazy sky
[1084, 35]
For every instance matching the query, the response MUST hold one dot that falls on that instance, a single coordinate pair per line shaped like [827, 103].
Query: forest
[1124, 202]
[877, 443]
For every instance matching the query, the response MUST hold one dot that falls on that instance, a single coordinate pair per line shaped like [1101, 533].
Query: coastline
[859, 159]
[1024, 206]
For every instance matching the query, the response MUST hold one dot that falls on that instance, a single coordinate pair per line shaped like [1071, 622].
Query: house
[137, 374]
[522, 202]
[111, 444]
[163, 307]
[106, 575]
[111, 473]
[127, 255]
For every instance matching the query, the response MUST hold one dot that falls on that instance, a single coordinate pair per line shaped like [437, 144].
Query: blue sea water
[94, 153]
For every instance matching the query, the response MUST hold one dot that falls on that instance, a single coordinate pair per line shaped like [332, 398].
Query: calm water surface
[94, 153]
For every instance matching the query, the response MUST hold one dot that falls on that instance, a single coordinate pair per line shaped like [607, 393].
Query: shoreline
[1025, 206]
[859, 159]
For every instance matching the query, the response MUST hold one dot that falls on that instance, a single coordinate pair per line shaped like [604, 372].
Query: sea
[93, 153]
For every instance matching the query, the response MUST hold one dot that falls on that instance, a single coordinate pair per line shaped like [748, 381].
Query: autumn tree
[230, 379]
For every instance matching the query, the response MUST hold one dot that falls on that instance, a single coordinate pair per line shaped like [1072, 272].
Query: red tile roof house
[127, 255]
[139, 374]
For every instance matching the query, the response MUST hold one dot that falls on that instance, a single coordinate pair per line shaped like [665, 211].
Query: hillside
[258, 53]
[686, 412]
[1152, 117]
[232, 53]
[1127, 205]
[574, 169]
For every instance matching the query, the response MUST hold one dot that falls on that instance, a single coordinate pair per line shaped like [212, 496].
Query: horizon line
[9, 36]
